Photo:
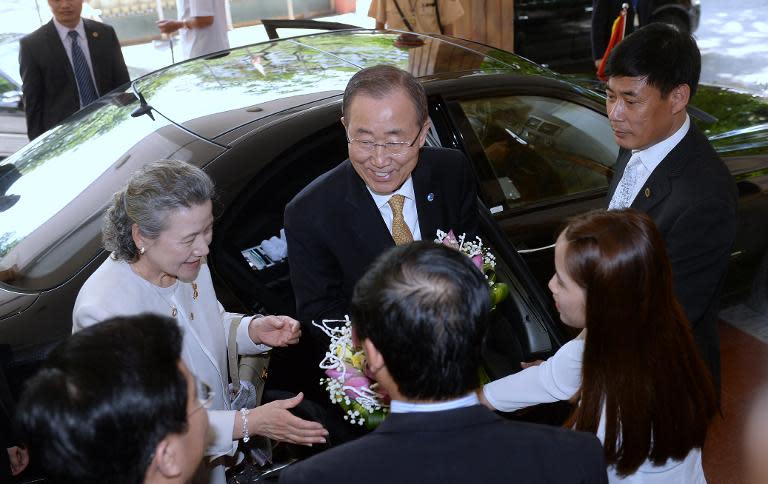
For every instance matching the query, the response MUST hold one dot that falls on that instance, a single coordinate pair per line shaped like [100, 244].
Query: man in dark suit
[339, 223]
[667, 168]
[421, 314]
[391, 190]
[66, 64]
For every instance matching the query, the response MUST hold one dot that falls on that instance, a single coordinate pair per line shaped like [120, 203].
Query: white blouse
[559, 378]
[114, 289]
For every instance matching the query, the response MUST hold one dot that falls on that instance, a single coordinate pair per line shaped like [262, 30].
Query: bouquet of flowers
[482, 257]
[347, 380]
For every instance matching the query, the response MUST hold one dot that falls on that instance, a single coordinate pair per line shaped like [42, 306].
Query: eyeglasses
[203, 395]
[395, 148]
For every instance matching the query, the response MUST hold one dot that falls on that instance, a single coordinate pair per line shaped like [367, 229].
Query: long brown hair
[641, 365]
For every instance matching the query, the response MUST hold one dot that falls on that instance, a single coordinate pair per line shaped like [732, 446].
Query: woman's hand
[273, 420]
[274, 330]
[19, 458]
[483, 400]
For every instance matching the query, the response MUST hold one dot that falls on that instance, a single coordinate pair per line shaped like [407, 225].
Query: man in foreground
[421, 314]
[115, 403]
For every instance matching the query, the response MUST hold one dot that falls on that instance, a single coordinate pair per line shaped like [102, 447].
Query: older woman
[635, 372]
[158, 230]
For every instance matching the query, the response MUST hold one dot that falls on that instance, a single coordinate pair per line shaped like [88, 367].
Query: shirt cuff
[245, 345]
[221, 424]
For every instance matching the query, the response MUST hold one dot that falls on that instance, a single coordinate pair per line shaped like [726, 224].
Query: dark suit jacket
[692, 198]
[335, 231]
[48, 80]
[465, 445]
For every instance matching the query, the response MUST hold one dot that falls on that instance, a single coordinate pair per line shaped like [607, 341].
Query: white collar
[399, 406]
[64, 30]
[406, 190]
[653, 155]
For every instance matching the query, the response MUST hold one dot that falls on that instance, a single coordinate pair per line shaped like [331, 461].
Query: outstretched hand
[274, 330]
[273, 420]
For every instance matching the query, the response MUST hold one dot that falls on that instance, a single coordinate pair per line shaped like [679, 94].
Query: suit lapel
[364, 215]
[96, 49]
[428, 202]
[58, 55]
[659, 184]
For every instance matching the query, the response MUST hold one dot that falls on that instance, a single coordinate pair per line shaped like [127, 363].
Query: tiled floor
[744, 370]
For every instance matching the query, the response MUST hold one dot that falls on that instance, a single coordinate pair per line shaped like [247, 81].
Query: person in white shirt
[203, 25]
[158, 229]
[634, 371]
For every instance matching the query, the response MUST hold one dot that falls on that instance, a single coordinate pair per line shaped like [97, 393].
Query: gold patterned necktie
[400, 231]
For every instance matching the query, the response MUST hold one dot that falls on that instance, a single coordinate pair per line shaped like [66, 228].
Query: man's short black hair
[104, 399]
[660, 52]
[425, 308]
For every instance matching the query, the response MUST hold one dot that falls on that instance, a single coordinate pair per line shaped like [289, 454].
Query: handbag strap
[234, 371]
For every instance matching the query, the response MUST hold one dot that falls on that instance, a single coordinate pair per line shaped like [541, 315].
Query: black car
[556, 33]
[263, 121]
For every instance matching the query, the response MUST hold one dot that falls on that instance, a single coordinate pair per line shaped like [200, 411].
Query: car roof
[246, 82]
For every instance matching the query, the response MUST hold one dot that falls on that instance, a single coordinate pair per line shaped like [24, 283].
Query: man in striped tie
[67, 64]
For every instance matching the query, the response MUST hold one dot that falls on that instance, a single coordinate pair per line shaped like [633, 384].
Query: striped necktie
[400, 231]
[85, 85]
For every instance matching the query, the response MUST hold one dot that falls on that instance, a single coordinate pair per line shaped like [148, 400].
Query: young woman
[634, 370]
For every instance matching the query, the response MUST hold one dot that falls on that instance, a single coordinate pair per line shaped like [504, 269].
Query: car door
[542, 151]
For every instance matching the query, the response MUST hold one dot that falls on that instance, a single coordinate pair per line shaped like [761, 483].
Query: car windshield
[53, 191]
[9, 60]
[294, 71]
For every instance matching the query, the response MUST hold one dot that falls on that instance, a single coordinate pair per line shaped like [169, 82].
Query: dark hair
[641, 365]
[379, 81]
[151, 193]
[104, 399]
[660, 52]
[425, 307]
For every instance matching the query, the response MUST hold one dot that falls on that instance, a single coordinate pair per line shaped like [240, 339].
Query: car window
[54, 190]
[540, 149]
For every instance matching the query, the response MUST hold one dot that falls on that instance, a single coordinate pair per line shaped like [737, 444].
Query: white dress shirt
[409, 207]
[82, 41]
[399, 406]
[652, 156]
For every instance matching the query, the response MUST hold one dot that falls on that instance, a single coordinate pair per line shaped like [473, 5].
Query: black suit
[48, 80]
[334, 232]
[692, 198]
[465, 445]
[334, 229]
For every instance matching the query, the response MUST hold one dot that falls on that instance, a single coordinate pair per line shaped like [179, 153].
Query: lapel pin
[647, 192]
[430, 196]
[95, 34]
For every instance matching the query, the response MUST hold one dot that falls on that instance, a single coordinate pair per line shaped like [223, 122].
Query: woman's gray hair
[152, 192]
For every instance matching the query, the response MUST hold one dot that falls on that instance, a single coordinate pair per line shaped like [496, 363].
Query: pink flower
[357, 382]
[351, 371]
[478, 261]
[450, 240]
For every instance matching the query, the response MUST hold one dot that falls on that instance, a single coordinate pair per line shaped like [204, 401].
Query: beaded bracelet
[244, 413]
